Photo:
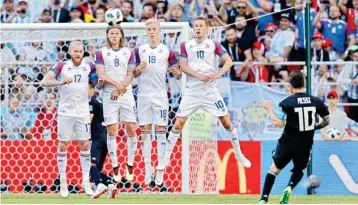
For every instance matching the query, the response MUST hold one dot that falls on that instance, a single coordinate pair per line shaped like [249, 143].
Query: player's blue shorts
[99, 150]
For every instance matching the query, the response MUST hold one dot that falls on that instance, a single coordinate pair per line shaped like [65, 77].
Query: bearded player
[197, 61]
[154, 60]
[115, 64]
[73, 111]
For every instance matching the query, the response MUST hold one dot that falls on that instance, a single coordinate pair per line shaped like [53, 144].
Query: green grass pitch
[169, 199]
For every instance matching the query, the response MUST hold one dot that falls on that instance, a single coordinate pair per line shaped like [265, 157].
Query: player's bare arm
[130, 76]
[50, 80]
[103, 78]
[185, 68]
[226, 67]
[275, 121]
[175, 71]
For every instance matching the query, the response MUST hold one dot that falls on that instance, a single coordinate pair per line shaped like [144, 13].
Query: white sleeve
[344, 75]
[289, 39]
[344, 121]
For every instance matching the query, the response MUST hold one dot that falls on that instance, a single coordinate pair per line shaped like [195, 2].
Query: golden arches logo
[222, 169]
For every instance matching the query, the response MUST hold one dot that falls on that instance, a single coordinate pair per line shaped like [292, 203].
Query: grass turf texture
[168, 199]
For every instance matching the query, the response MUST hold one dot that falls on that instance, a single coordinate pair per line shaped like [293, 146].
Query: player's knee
[274, 169]
[63, 146]
[84, 145]
[112, 130]
[146, 127]
[179, 123]
[159, 128]
[225, 121]
[131, 129]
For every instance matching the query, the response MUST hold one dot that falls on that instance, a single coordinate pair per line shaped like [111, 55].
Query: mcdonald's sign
[233, 177]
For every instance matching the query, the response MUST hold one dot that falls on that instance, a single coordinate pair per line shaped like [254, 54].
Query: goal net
[29, 137]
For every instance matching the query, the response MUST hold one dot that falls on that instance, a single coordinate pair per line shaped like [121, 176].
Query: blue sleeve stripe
[183, 57]
[99, 63]
[223, 53]
[280, 114]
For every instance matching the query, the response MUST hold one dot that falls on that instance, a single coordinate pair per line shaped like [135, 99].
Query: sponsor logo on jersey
[84, 69]
[108, 54]
[124, 53]
[144, 51]
[207, 46]
[160, 51]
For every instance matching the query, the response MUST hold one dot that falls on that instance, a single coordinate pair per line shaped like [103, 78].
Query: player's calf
[112, 150]
[85, 158]
[146, 143]
[226, 122]
[62, 164]
[132, 148]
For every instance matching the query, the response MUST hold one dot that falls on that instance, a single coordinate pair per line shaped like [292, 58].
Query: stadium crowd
[268, 39]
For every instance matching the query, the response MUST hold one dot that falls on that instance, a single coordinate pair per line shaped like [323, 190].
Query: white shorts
[121, 110]
[212, 103]
[153, 111]
[68, 125]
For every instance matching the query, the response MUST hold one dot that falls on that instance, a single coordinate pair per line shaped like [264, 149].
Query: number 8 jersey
[116, 62]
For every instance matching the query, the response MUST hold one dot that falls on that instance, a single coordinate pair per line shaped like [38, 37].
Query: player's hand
[115, 95]
[103, 79]
[142, 65]
[121, 88]
[214, 76]
[175, 71]
[204, 78]
[67, 81]
[268, 104]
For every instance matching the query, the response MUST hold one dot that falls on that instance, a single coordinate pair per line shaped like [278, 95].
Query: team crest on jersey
[144, 51]
[160, 51]
[207, 46]
[124, 53]
[69, 69]
[191, 46]
[84, 69]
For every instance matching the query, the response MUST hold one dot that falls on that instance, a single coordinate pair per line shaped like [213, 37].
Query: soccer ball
[113, 16]
[333, 133]
[313, 181]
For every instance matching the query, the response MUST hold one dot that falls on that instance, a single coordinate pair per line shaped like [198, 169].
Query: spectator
[246, 9]
[318, 53]
[45, 126]
[327, 46]
[338, 118]
[264, 7]
[351, 15]
[60, 14]
[239, 51]
[257, 72]
[14, 121]
[333, 29]
[7, 10]
[127, 11]
[162, 7]
[349, 76]
[176, 12]
[266, 39]
[21, 14]
[282, 41]
[88, 9]
[132, 44]
[300, 51]
[6, 54]
[214, 20]
[148, 10]
[76, 15]
[228, 12]
[99, 15]
[45, 17]
[244, 32]
[172, 40]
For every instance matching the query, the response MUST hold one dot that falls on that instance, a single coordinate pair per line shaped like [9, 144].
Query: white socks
[132, 149]
[235, 142]
[62, 164]
[147, 153]
[85, 158]
[161, 144]
[112, 150]
[171, 142]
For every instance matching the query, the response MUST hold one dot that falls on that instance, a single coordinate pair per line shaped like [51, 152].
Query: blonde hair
[152, 21]
[121, 41]
[76, 43]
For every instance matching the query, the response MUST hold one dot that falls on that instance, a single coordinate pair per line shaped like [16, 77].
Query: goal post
[187, 173]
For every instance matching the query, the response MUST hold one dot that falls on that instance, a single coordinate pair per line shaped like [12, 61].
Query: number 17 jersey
[300, 111]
